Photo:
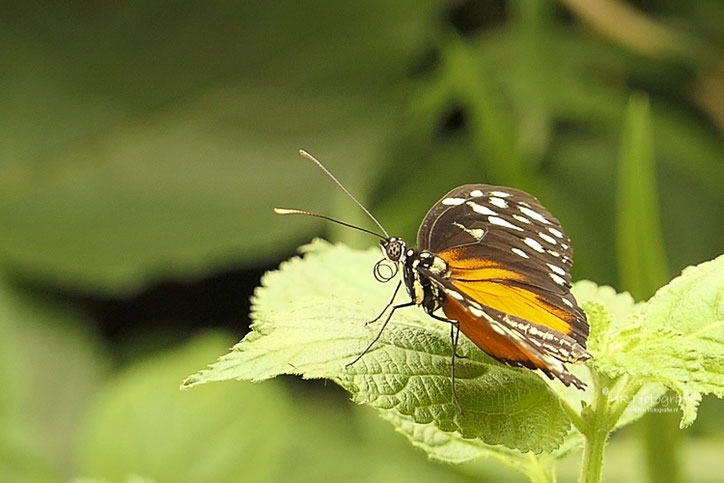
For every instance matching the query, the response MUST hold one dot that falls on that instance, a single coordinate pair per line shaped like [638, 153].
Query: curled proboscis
[385, 270]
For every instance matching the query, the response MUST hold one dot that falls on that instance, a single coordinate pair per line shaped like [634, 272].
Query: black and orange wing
[508, 283]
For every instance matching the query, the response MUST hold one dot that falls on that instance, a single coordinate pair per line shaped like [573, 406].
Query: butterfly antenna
[326, 171]
[287, 211]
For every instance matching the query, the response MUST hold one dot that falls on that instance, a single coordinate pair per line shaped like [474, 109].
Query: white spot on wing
[548, 238]
[476, 312]
[499, 202]
[521, 219]
[555, 232]
[453, 201]
[534, 245]
[533, 214]
[501, 222]
[483, 210]
[500, 194]
[554, 253]
[519, 252]
[568, 302]
[557, 279]
[476, 233]
[556, 269]
[476, 193]
[454, 294]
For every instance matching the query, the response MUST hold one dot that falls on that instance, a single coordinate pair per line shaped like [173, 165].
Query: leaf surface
[310, 320]
[675, 339]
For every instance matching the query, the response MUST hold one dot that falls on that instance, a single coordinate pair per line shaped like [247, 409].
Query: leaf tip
[190, 382]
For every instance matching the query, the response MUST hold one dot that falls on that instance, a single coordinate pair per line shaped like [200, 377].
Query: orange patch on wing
[517, 301]
[479, 279]
[459, 258]
[476, 268]
[483, 336]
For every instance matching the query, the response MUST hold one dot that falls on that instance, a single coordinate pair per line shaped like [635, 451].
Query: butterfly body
[496, 262]
[415, 264]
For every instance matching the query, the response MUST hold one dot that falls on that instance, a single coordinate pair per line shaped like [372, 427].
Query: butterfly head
[394, 249]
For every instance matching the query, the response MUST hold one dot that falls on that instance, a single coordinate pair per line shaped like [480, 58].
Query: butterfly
[493, 263]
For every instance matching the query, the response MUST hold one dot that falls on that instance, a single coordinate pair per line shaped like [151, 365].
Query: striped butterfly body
[497, 263]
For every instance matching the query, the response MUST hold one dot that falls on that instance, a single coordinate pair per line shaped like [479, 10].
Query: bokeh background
[143, 145]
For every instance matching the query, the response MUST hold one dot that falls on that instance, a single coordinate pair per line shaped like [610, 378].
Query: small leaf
[641, 255]
[310, 320]
[452, 448]
[676, 339]
[608, 315]
[439, 445]
[609, 309]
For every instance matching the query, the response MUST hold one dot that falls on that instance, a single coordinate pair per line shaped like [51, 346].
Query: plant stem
[541, 469]
[579, 423]
[592, 465]
[599, 428]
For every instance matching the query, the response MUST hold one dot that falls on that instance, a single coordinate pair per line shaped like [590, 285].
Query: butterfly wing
[510, 339]
[508, 283]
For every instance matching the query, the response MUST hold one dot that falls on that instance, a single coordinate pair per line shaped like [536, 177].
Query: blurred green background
[143, 145]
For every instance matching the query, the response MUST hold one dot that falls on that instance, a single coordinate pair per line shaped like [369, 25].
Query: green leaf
[309, 319]
[126, 162]
[676, 338]
[10, 396]
[141, 425]
[609, 310]
[142, 428]
[608, 314]
[39, 409]
[452, 448]
[492, 129]
[20, 455]
[641, 256]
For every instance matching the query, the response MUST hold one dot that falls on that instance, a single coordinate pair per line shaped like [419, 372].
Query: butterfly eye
[384, 272]
[393, 249]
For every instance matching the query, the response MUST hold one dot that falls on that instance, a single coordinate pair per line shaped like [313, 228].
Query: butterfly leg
[394, 294]
[379, 334]
[454, 339]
